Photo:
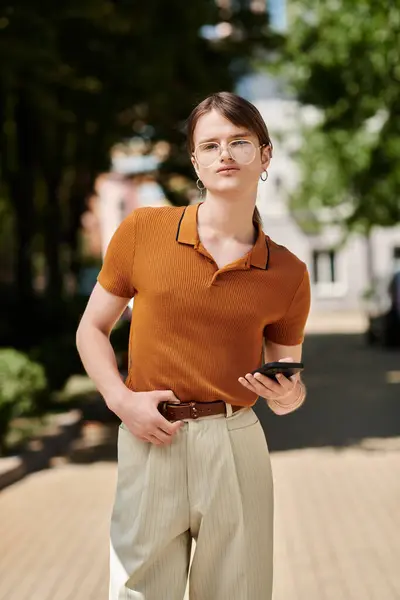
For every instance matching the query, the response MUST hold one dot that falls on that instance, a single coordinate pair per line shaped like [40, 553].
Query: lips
[227, 169]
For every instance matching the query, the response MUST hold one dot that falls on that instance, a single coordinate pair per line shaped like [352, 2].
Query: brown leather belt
[193, 410]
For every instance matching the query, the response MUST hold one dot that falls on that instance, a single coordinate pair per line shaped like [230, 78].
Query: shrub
[22, 381]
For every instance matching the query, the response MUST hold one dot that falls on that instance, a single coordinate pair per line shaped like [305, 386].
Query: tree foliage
[78, 77]
[22, 381]
[343, 57]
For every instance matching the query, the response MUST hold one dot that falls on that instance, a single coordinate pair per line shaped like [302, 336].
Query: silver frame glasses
[228, 147]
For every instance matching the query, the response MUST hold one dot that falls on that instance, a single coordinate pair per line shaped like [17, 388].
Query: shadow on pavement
[349, 396]
[349, 400]
[98, 443]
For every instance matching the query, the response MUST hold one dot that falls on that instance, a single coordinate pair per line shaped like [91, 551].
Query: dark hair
[237, 110]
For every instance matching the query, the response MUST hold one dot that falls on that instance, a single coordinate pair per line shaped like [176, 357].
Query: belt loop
[229, 411]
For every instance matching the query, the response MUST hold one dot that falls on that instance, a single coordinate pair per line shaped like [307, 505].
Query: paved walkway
[337, 525]
[337, 529]
[53, 534]
[337, 495]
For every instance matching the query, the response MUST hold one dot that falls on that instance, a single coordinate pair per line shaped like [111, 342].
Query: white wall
[283, 118]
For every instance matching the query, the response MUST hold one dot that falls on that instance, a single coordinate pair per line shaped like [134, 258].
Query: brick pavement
[337, 529]
[53, 534]
[337, 525]
[336, 466]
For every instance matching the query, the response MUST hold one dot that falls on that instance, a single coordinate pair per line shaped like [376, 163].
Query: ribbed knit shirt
[197, 328]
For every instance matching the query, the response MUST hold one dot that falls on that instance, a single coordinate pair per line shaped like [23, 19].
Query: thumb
[167, 396]
[287, 359]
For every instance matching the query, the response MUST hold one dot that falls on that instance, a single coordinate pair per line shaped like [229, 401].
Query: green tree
[343, 57]
[77, 77]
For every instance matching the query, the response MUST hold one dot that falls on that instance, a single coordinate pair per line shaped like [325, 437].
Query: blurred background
[93, 101]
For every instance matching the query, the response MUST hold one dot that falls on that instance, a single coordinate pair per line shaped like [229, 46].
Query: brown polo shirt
[195, 328]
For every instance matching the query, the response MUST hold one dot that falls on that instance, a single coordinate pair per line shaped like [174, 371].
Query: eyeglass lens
[242, 151]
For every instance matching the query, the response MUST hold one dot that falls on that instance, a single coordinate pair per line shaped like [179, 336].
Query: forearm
[98, 359]
[289, 403]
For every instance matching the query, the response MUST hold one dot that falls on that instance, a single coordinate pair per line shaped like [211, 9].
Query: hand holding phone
[271, 369]
[274, 381]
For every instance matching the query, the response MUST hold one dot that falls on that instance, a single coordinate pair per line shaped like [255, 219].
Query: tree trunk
[53, 239]
[21, 179]
[81, 189]
[53, 161]
[88, 163]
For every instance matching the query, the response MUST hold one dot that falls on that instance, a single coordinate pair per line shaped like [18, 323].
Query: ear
[195, 165]
[266, 156]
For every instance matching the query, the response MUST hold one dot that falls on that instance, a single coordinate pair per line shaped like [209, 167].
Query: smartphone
[286, 368]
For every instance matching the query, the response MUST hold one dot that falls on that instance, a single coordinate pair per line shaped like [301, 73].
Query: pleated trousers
[213, 484]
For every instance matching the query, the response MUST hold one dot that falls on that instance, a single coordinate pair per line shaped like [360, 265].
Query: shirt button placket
[214, 279]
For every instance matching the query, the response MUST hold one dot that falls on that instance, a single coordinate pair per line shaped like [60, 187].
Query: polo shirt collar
[187, 228]
[187, 234]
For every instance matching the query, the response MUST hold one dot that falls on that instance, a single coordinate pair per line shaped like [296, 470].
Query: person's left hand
[268, 388]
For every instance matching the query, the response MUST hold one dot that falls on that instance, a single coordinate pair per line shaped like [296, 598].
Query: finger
[246, 384]
[287, 359]
[163, 437]
[270, 384]
[168, 427]
[167, 396]
[153, 440]
[260, 389]
[253, 385]
[285, 383]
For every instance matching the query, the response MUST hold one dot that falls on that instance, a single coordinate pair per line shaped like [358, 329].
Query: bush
[22, 381]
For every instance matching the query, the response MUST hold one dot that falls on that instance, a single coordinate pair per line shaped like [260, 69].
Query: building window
[328, 274]
[324, 266]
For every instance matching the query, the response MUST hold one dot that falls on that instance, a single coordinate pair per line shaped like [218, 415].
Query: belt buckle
[193, 410]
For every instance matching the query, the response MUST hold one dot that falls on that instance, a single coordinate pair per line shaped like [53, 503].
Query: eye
[208, 147]
[237, 143]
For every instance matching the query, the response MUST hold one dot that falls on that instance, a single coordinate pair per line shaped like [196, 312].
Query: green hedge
[22, 382]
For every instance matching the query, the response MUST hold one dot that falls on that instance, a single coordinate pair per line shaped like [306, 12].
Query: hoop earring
[265, 174]
[200, 186]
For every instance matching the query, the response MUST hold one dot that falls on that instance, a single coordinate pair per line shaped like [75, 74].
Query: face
[227, 173]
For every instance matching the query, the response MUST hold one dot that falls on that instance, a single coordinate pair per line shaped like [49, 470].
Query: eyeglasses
[241, 151]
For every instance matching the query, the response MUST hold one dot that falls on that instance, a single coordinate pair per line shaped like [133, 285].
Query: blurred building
[340, 272]
[131, 184]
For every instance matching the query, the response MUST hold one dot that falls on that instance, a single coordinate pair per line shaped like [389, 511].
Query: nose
[225, 154]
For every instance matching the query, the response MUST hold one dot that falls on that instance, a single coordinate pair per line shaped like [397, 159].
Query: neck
[227, 218]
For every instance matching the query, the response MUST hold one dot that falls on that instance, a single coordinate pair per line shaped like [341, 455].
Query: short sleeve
[116, 275]
[289, 331]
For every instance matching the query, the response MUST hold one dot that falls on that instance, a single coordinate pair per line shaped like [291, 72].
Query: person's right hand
[139, 413]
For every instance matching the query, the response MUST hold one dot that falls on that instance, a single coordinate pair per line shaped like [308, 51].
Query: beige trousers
[213, 484]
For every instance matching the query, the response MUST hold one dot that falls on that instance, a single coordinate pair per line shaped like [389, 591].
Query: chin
[229, 184]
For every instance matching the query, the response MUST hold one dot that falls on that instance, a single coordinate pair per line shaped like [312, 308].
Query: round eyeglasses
[241, 151]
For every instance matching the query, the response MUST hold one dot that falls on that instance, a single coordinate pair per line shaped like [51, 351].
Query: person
[212, 292]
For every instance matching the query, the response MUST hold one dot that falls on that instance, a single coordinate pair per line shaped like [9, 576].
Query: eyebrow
[240, 135]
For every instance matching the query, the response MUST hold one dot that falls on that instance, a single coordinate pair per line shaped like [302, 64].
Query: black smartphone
[286, 368]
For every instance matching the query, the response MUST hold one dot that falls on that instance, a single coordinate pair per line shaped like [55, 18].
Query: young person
[210, 289]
